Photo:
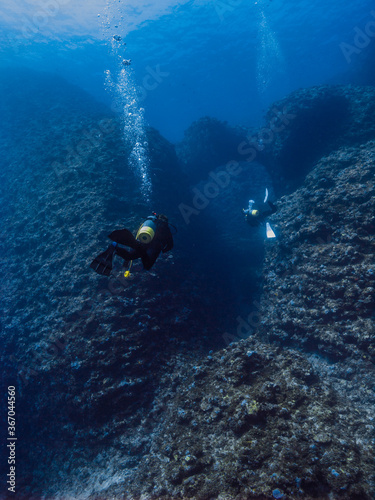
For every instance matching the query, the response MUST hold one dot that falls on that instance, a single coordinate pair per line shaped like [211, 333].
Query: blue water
[224, 58]
[163, 64]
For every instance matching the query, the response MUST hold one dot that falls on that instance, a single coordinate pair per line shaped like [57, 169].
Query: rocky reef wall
[313, 122]
[85, 352]
[319, 275]
[118, 395]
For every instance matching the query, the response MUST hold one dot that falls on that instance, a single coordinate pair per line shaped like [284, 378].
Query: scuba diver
[153, 236]
[255, 217]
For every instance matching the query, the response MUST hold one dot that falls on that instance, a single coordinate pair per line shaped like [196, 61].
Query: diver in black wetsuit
[153, 237]
[255, 217]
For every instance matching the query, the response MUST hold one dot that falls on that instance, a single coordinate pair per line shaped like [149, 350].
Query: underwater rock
[257, 421]
[117, 398]
[85, 352]
[23, 118]
[299, 130]
[319, 279]
[313, 122]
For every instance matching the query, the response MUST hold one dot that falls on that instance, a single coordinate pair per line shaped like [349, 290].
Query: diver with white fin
[153, 237]
[256, 217]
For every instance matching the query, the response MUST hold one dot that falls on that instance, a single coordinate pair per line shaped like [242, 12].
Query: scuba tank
[146, 233]
[147, 230]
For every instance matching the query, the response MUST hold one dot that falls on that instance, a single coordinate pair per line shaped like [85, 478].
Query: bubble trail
[126, 100]
[270, 60]
[127, 104]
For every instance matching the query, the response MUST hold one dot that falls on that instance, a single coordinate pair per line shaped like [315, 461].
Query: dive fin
[103, 262]
[269, 231]
[124, 237]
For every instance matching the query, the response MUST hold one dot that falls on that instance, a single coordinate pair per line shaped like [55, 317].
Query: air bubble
[126, 94]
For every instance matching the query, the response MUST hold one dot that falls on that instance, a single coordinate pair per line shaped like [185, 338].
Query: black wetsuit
[259, 219]
[149, 252]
